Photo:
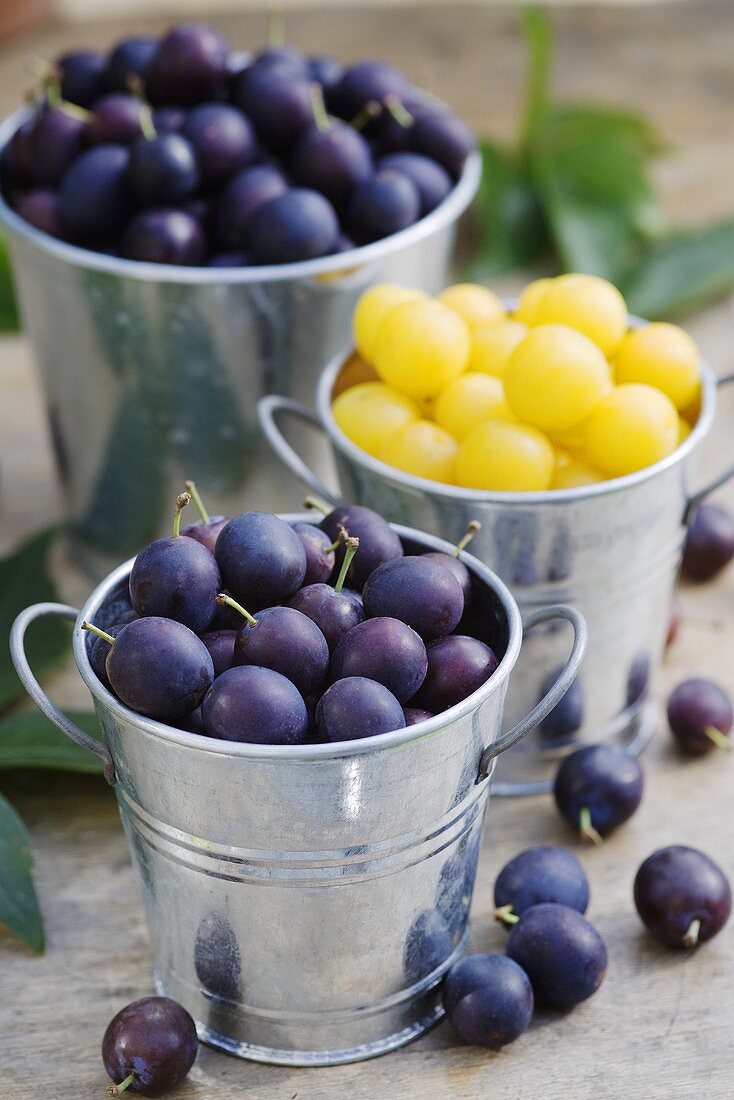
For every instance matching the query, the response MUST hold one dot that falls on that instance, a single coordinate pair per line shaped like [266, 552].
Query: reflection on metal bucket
[305, 902]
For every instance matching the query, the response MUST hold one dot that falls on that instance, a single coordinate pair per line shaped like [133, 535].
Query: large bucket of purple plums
[300, 723]
[191, 227]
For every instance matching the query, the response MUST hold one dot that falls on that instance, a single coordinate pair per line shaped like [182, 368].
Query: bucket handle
[565, 678]
[268, 409]
[36, 692]
[695, 498]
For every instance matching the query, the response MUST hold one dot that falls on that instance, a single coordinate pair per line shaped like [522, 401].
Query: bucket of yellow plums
[570, 431]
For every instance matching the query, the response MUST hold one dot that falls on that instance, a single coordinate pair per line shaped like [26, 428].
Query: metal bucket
[304, 903]
[612, 550]
[151, 371]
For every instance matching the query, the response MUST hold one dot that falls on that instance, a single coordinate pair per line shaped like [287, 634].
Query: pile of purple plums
[178, 150]
[250, 629]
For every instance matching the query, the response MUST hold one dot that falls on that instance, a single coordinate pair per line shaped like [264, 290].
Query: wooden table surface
[661, 1025]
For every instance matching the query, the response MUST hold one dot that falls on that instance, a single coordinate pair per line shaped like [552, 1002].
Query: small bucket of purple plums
[300, 717]
[191, 227]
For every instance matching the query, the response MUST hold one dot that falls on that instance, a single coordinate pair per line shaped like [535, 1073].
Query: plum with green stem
[149, 1047]
[334, 610]
[206, 530]
[700, 716]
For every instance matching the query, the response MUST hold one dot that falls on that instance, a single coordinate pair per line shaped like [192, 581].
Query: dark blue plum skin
[320, 557]
[542, 874]
[190, 66]
[442, 136]
[116, 119]
[154, 1038]
[364, 82]
[561, 952]
[280, 108]
[168, 120]
[603, 779]
[488, 1000]
[382, 205]
[333, 161]
[377, 541]
[676, 886]
[261, 558]
[55, 139]
[222, 139]
[297, 225]
[41, 209]
[563, 722]
[130, 58]
[159, 668]
[385, 650]
[286, 59]
[418, 591]
[164, 235]
[16, 164]
[98, 652]
[255, 705]
[334, 612]
[93, 195]
[427, 946]
[235, 205]
[288, 642]
[220, 644]
[709, 545]
[457, 568]
[82, 73]
[230, 259]
[206, 533]
[326, 71]
[162, 170]
[694, 706]
[354, 708]
[432, 181]
[457, 666]
[176, 578]
[414, 715]
[217, 958]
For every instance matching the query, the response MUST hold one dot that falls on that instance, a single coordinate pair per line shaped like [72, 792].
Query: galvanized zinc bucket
[612, 550]
[151, 371]
[305, 902]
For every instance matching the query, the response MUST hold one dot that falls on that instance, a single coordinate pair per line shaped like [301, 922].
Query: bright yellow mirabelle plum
[587, 303]
[633, 427]
[571, 473]
[469, 400]
[371, 310]
[663, 356]
[505, 457]
[555, 378]
[423, 449]
[421, 347]
[492, 346]
[529, 301]
[370, 413]
[684, 430]
[477, 305]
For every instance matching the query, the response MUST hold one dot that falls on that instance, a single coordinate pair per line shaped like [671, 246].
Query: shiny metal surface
[611, 550]
[151, 372]
[304, 902]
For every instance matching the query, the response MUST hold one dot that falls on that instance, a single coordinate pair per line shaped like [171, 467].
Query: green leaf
[30, 740]
[25, 579]
[9, 321]
[18, 902]
[510, 228]
[683, 272]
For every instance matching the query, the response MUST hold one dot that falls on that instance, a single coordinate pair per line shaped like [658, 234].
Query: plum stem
[318, 106]
[115, 1090]
[690, 938]
[100, 633]
[226, 601]
[190, 487]
[506, 915]
[317, 505]
[586, 829]
[337, 541]
[719, 739]
[370, 110]
[147, 127]
[472, 527]
[276, 28]
[399, 111]
[351, 546]
[181, 501]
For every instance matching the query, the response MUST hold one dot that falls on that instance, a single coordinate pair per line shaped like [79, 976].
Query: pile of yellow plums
[557, 394]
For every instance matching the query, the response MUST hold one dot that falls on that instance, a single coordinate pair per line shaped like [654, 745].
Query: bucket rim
[445, 214]
[332, 750]
[404, 481]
